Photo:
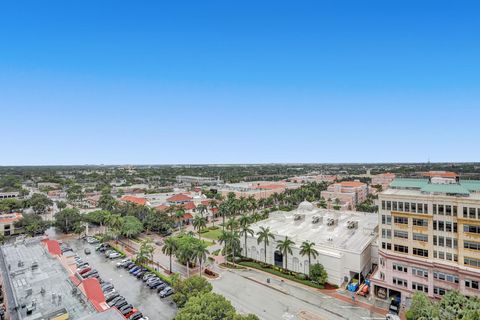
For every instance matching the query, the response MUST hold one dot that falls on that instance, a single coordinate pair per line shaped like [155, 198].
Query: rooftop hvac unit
[34, 265]
[298, 217]
[331, 222]
[352, 224]
[316, 219]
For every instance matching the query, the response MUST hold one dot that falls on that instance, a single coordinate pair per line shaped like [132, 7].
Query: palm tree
[285, 247]
[213, 206]
[169, 248]
[232, 224]
[179, 215]
[145, 253]
[264, 235]
[244, 231]
[200, 254]
[202, 209]
[199, 222]
[115, 222]
[229, 240]
[307, 249]
[223, 210]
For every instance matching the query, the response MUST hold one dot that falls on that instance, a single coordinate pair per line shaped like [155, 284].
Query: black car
[112, 296]
[161, 287]
[120, 304]
[137, 315]
[114, 300]
[126, 309]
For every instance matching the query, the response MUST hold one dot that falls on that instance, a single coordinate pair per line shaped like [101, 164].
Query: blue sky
[117, 82]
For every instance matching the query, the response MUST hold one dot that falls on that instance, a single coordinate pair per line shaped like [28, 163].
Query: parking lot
[134, 290]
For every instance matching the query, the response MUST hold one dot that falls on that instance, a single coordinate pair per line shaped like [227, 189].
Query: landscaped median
[280, 272]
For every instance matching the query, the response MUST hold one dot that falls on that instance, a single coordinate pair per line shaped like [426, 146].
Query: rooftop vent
[298, 217]
[316, 219]
[352, 224]
[331, 222]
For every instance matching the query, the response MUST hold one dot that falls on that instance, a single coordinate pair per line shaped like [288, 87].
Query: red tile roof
[53, 247]
[10, 217]
[179, 198]
[189, 205]
[271, 186]
[442, 174]
[351, 184]
[94, 293]
[136, 200]
[187, 216]
[161, 207]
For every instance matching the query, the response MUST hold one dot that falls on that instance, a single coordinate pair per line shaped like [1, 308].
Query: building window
[439, 291]
[420, 272]
[400, 206]
[400, 234]
[448, 242]
[425, 208]
[472, 245]
[383, 205]
[434, 209]
[413, 206]
[420, 252]
[420, 287]
[400, 267]
[472, 284]
[382, 276]
[407, 207]
[445, 277]
[400, 220]
[420, 237]
[472, 213]
[400, 282]
[448, 210]
[441, 209]
[394, 205]
[465, 212]
[389, 205]
[454, 211]
[420, 222]
[448, 226]
[400, 248]
[387, 246]
[471, 262]
[386, 233]
[471, 228]
[419, 208]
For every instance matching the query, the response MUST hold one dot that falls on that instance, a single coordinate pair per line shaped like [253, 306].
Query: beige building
[348, 193]
[383, 179]
[429, 237]
[7, 223]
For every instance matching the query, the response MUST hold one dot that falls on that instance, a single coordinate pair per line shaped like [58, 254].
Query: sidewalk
[331, 293]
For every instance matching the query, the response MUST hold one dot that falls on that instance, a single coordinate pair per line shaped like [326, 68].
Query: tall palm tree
[285, 247]
[199, 222]
[202, 209]
[223, 210]
[244, 231]
[169, 248]
[145, 253]
[201, 253]
[179, 215]
[213, 206]
[230, 241]
[264, 235]
[232, 224]
[308, 249]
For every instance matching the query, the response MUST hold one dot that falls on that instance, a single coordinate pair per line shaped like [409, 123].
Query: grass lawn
[212, 234]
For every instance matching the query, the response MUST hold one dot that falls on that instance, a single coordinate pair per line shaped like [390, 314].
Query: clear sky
[115, 82]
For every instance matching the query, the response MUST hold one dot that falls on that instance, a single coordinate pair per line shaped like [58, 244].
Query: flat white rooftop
[332, 239]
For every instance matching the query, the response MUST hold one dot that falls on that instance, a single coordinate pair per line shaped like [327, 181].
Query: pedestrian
[353, 296]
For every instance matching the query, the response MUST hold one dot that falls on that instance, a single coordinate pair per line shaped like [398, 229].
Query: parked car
[132, 270]
[136, 316]
[120, 303]
[128, 265]
[147, 276]
[114, 255]
[122, 263]
[152, 279]
[166, 292]
[92, 240]
[114, 300]
[155, 284]
[84, 270]
[107, 288]
[161, 287]
[110, 296]
[126, 309]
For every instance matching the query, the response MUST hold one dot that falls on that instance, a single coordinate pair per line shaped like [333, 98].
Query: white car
[114, 255]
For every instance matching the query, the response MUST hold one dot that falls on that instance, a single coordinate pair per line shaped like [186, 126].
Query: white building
[344, 240]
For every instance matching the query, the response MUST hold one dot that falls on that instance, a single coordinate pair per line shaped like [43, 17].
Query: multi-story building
[9, 195]
[348, 193]
[7, 223]
[429, 237]
[198, 181]
[383, 179]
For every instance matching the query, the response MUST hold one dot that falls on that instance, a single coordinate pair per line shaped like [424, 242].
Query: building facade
[383, 179]
[7, 223]
[348, 193]
[343, 240]
[429, 238]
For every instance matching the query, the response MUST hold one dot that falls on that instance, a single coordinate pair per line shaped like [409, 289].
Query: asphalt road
[134, 290]
[285, 301]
